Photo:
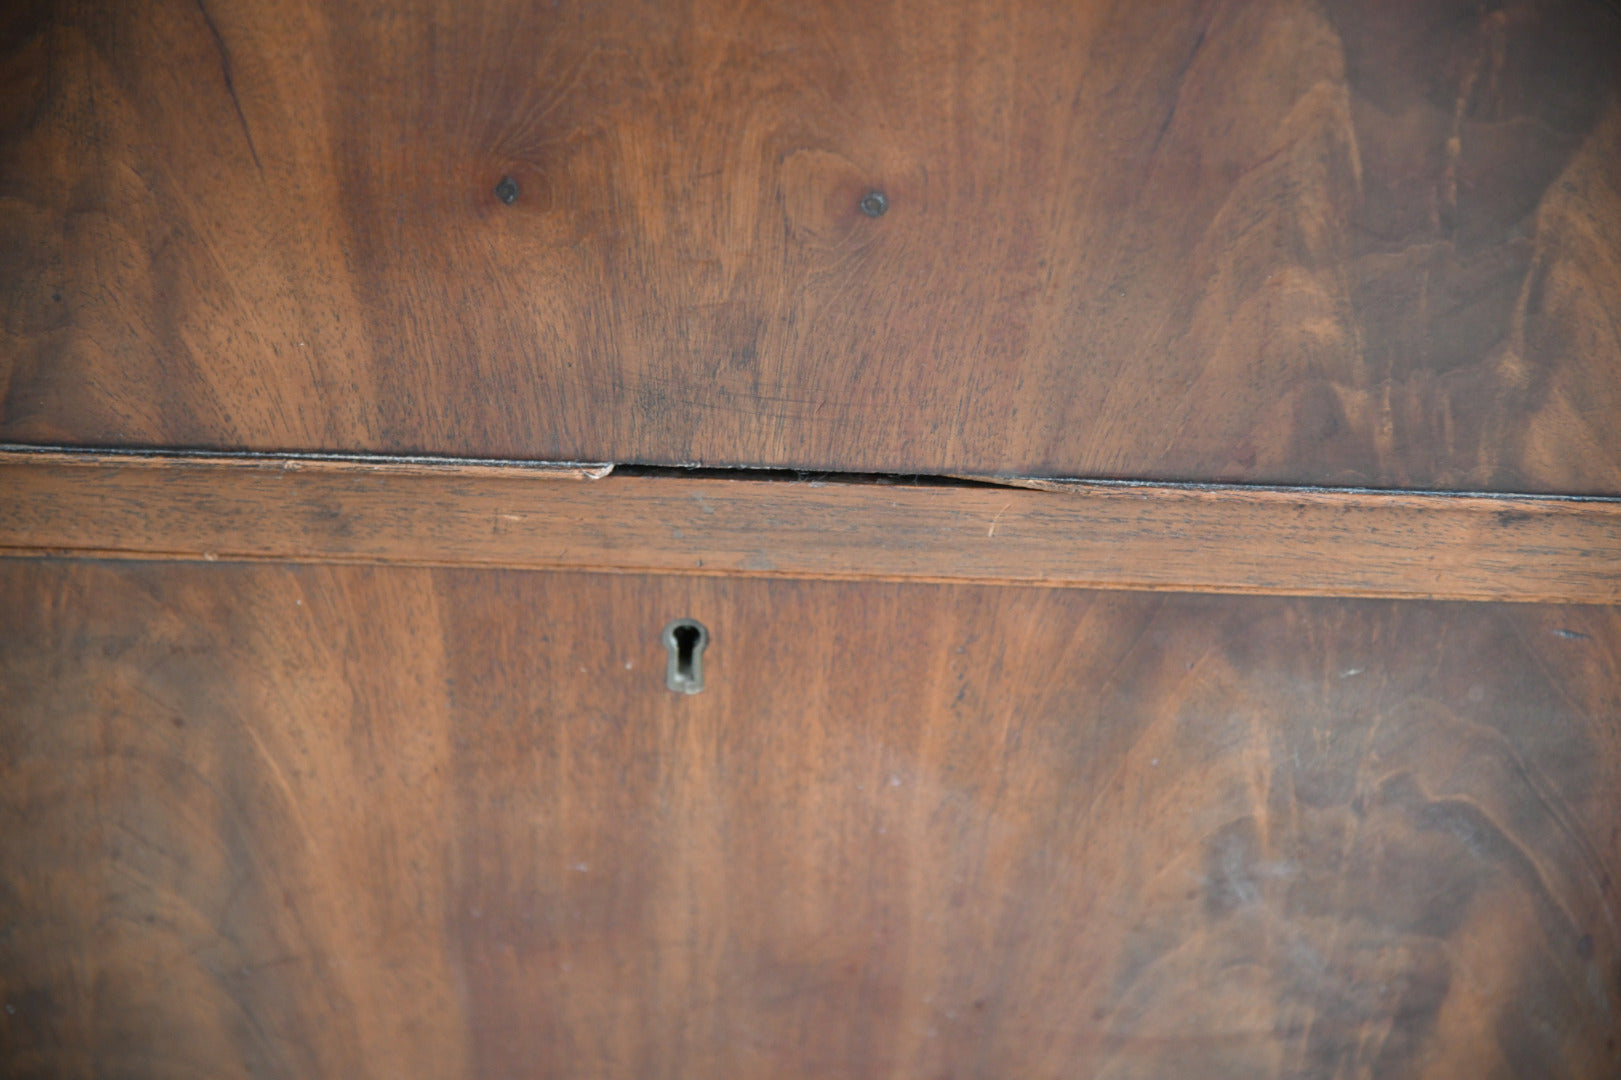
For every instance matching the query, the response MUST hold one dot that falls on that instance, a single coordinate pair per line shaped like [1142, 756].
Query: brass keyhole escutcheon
[685, 639]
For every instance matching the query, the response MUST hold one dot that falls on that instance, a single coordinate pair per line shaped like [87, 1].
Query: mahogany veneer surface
[1288, 240]
[293, 821]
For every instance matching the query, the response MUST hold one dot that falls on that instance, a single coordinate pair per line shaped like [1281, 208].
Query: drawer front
[1284, 241]
[280, 820]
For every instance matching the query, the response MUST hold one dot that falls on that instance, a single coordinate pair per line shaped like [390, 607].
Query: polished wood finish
[1288, 241]
[316, 763]
[1228, 540]
[394, 822]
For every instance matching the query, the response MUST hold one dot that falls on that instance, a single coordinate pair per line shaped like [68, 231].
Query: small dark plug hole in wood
[685, 639]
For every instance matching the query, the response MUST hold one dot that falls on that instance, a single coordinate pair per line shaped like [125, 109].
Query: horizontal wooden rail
[1158, 537]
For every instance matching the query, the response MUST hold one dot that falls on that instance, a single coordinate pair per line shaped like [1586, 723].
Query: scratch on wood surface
[992, 530]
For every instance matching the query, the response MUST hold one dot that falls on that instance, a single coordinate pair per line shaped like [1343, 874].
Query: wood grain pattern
[339, 821]
[1282, 241]
[1228, 540]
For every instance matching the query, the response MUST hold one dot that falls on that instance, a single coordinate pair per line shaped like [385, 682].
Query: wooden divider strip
[1157, 537]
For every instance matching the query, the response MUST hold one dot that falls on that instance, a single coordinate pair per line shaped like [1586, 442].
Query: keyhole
[685, 639]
